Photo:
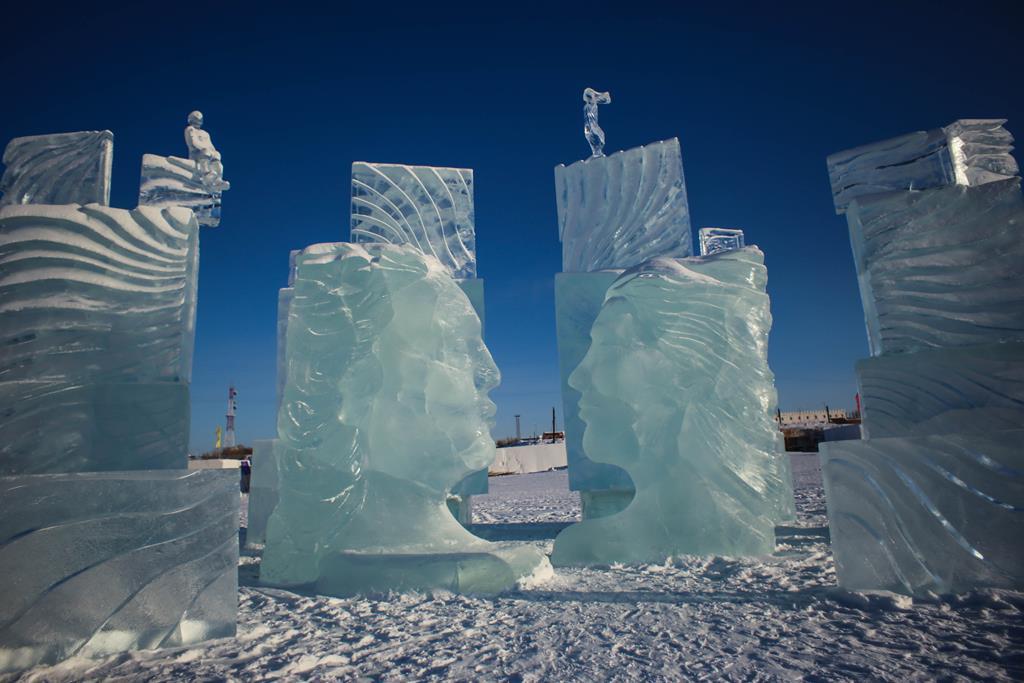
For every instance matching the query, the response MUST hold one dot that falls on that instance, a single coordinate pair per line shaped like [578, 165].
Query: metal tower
[229, 439]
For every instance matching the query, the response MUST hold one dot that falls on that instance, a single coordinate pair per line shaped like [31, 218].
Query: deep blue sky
[758, 96]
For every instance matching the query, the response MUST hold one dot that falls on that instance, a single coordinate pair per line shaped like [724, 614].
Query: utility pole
[518, 435]
[552, 424]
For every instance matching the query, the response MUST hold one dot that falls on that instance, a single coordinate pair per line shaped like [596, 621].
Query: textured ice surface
[578, 299]
[937, 391]
[428, 207]
[715, 240]
[263, 489]
[967, 152]
[676, 390]
[620, 210]
[926, 514]
[941, 268]
[63, 168]
[94, 564]
[97, 318]
[173, 181]
[385, 409]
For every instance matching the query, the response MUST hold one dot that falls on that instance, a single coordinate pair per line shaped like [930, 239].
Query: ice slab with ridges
[263, 489]
[425, 206]
[968, 152]
[620, 210]
[938, 391]
[95, 564]
[385, 410]
[173, 181]
[927, 514]
[61, 168]
[941, 268]
[676, 390]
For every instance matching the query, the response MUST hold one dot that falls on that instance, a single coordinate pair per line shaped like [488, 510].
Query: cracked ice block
[172, 181]
[578, 299]
[97, 313]
[63, 168]
[620, 210]
[927, 514]
[385, 410]
[263, 489]
[96, 564]
[428, 207]
[937, 391]
[941, 268]
[676, 390]
[968, 152]
[715, 240]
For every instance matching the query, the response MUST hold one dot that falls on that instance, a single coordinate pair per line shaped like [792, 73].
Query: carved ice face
[196, 119]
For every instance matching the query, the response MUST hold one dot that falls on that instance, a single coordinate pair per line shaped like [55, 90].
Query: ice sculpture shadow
[385, 409]
[676, 389]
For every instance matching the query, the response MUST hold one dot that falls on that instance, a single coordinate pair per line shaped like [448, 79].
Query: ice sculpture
[715, 240]
[62, 168]
[196, 182]
[95, 564]
[429, 207]
[591, 130]
[385, 409]
[620, 210]
[263, 489]
[98, 315]
[929, 501]
[675, 389]
[968, 152]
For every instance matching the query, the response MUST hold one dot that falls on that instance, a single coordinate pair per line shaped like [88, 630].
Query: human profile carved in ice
[591, 130]
[385, 408]
[677, 391]
[206, 156]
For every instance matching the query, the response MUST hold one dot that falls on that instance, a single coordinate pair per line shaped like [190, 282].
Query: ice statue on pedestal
[591, 130]
[675, 389]
[99, 552]
[930, 502]
[385, 410]
[196, 182]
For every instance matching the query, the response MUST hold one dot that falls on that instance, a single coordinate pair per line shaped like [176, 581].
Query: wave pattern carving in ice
[61, 168]
[93, 298]
[928, 514]
[428, 207]
[676, 390]
[941, 268]
[95, 564]
[385, 409]
[619, 210]
[968, 152]
[172, 181]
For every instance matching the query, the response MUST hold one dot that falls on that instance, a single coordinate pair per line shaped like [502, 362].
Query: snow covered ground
[693, 618]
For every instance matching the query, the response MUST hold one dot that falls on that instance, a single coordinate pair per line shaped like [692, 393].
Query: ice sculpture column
[385, 408]
[107, 543]
[931, 501]
[614, 212]
[432, 209]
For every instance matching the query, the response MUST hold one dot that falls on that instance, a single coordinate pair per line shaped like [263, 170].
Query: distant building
[811, 418]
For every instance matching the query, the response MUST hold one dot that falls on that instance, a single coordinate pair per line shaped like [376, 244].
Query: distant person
[246, 468]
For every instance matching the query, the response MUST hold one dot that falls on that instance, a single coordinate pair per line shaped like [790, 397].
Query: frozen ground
[693, 618]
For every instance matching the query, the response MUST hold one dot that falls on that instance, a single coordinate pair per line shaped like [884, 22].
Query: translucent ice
[63, 168]
[385, 409]
[97, 312]
[967, 152]
[428, 207]
[942, 267]
[715, 240]
[263, 489]
[95, 564]
[620, 210]
[676, 390]
[928, 514]
[591, 130]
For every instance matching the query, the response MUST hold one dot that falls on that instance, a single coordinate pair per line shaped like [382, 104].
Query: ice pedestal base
[926, 514]
[99, 563]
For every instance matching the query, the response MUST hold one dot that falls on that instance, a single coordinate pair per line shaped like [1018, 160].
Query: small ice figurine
[592, 131]
[715, 240]
[206, 156]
